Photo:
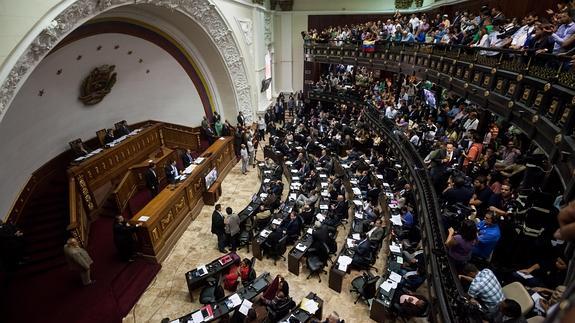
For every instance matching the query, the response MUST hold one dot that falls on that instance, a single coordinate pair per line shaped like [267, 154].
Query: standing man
[245, 158]
[123, 240]
[218, 228]
[232, 227]
[152, 179]
[251, 152]
[261, 128]
[171, 172]
[241, 119]
[78, 260]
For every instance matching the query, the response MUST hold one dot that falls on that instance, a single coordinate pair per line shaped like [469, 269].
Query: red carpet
[58, 295]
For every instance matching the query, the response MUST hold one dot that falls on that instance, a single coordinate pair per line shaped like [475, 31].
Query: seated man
[363, 182]
[362, 256]
[307, 214]
[340, 208]
[292, 227]
[109, 137]
[484, 287]
[410, 304]
[122, 129]
[171, 172]
[187, 158]
[407, 218]
[376, 234]
[310, 199]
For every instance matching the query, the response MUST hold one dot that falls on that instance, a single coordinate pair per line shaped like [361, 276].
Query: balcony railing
[535, 93]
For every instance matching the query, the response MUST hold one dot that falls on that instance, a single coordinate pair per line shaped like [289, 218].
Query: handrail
[125, 190]
[76, 227]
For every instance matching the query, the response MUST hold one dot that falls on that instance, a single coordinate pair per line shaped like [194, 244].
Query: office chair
[317, 260]
[364, 286]
[246, 235]
[275, 313]
[277, 252]
[212, 293]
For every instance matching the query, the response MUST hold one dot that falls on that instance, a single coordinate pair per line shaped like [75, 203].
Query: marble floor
[167, 295]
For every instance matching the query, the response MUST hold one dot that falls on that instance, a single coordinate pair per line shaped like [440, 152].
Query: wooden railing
[126, 189]
[165, 218]
[79, 222]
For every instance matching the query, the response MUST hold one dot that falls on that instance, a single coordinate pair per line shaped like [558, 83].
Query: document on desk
[289, 163]
[277, 221]
[301, 247]
[245, 307]
[399, 260]
[346, 166]
[197, 317]
[295, 178]
[266, 180]
[235, 300]
[353, 182]
[323, 207]
[359, 215]
[350, 243]
[199, 160]
[357, 203]
[309, 305]
[396, 220]
[356, 191]
[294, 171]
[322, 176]
[263, 195]
[143, 218]
[293, 196]
[267, 171]
[324, 185]
[395, 277]
[265, 233]
[320, 217]
[356, 236]
[394, 249]
[325, 193]
[190, 169]
[524, 275]
[379, 176]
[389, 195]
[388, 285]
[310, 231]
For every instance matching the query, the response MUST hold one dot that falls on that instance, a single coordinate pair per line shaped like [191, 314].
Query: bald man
[78, 260]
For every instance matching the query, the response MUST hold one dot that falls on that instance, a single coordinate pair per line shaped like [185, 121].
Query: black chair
[212, 293]
[317, 260]
[277, 252]
[364, 286]
[276, 313]
[246, 235]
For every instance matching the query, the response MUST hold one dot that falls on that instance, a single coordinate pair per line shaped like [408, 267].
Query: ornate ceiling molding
[203, 12]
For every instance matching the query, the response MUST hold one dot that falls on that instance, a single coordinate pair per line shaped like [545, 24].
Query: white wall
[38, 128]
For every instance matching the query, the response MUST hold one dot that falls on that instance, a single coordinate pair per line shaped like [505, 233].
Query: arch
[203, 12]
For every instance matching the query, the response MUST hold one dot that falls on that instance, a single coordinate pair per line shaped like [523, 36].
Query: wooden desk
[295, 256]
[303, 315]
[172, 210]
[212, 195]
[214, 269]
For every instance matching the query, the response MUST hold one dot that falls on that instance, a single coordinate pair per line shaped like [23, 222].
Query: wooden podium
[212, 195]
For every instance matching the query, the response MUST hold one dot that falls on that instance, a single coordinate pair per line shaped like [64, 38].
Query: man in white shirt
[471, 123]
[520, 36]
[390, 112]
[414, 22]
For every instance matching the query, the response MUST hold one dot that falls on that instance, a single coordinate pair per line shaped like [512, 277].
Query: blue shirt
[407, 219]
[563, 32]
[486, 240]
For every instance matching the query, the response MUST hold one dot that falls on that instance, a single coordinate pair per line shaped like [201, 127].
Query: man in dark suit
[377, 232]
[123, 240]
[362, 255]
[187, 158]
[219, 228]
[109, 137]
[241, 119]
[363, 182]
[340, 208]
[152, 180]
[171, 172]
[293, 228]
[122, 129]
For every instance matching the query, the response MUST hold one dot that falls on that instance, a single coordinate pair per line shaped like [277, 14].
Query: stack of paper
[266, 180]
[263, 195]
[301, 247]
[277, 221]
[265, 233]
[388, 285]
[309, 231]
[356, 191]
[245, 307]
[295, 178]
[322, 175]
[309, 305]
[356, 236]
[320, 217]
[235, 300]
[293, 196]
[396, 220]
[325, 193]
[199, 160]
[350, 243]
[323, 207]
[394, 248]
[343, 262]
[380, 177]
[357, 203]
[394, 277]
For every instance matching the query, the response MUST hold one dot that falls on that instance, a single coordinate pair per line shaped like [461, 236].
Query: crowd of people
[553, 32]
[500, 222]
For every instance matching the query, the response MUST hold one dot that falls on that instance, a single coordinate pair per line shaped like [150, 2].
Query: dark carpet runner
[57, 295]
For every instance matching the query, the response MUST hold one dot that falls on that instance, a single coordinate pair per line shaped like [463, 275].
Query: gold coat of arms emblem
[97, 84]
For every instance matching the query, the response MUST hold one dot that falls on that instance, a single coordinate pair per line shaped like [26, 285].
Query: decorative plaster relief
[246, 27]
[203, 12]
[267, 29]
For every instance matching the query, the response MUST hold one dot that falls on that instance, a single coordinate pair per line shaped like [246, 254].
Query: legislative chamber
[287, 161]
